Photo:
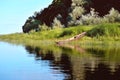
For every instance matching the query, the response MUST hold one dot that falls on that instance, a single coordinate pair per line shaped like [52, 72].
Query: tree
[113, 16]
[57, 23]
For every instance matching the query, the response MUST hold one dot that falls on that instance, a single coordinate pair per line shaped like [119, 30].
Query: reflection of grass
[107, 53]
[110, 50]
[99, 43]
[58, 50]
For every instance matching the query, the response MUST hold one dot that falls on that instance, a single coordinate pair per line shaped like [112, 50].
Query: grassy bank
[59, 33]
[95, 33]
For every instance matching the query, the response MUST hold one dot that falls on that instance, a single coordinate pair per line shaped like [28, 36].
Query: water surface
[68, 62]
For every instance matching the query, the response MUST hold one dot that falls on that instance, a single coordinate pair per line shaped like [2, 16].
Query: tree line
[65, 13]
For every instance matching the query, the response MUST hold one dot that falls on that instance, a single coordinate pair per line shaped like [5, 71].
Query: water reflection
[102, 72]
[58, 61]
[78, 63]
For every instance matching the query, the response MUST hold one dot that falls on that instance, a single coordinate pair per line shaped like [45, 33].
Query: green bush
[93, 18]
[57, 24]
[113, 16]
[66, 33]
[77, 2]
[90, 18]
[43, 27]
[31, 25]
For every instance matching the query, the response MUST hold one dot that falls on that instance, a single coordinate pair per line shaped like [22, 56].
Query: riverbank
[97, 34]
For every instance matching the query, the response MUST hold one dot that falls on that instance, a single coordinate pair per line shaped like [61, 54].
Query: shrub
[96, 31]
[113, 16]
[31, 24]
[75, 15]
[91, 18]
[57, 24]
[43, 27]
[66, 33]
[94, 18]
[77, 12]
[77, 2]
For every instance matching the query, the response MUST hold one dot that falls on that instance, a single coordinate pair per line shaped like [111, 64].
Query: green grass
[95, 43]
[106, 31]
[48, 34]
[95, 33]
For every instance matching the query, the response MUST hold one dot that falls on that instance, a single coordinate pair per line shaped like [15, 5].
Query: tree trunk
[72, 38]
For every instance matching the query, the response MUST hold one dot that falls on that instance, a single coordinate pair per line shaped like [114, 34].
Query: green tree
[113, 16]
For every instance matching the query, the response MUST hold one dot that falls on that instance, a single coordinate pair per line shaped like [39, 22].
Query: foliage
[113, 16]
[78, 2]
[57, 23]
[72, 13]
[31, 24]
[47, 34]
[91, 18]
[107, 32]
[43, 27]
[77, 12]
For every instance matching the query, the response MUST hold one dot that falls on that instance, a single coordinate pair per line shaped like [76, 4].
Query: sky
[13, 13]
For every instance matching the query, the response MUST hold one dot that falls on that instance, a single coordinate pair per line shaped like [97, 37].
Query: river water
[18, 62]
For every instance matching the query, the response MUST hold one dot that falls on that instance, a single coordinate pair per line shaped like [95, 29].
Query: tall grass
[107, 30]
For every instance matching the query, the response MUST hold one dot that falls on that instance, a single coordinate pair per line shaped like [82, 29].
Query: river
[26, 62]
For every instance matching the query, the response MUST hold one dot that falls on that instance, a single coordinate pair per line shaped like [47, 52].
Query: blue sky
[13, 13]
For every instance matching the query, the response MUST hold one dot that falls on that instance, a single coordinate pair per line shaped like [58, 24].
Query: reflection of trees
[108, 69]
[102, 72]
[97, 52]
[63, 64]
[110, 55]
[85, 65]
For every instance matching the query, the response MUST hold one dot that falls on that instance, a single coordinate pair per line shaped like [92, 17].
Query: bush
[94, 18]
[75, 15]
[77, 12]
[113, 16]
[77, 2]
[96, 31]
[57, 24]
[44, 27]
[66, 33]
[91, 18]
[31, 24]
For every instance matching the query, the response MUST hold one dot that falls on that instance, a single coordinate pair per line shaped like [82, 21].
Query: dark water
[59, 62]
